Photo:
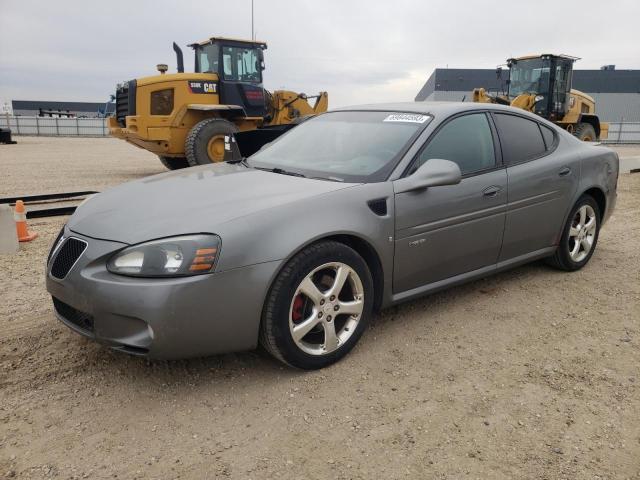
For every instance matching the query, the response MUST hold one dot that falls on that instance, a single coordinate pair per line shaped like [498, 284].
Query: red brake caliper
[296, 311]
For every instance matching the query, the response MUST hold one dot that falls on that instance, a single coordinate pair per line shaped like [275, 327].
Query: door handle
[491, 191]
[564, 172]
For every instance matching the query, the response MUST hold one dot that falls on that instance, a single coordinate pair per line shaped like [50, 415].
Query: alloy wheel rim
[582, 233]
[326, 308]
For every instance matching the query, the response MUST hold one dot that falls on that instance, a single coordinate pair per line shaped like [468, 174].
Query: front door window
[465, 140]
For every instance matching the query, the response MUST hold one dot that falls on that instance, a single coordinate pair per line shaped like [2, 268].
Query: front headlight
[168, 257]
[538, 98]
[162, 102]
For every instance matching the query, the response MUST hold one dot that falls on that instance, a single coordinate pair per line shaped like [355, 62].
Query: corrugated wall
[611, 107]
[616, 107]
[621, 110]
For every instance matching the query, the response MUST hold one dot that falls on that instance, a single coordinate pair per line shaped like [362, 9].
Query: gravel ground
[531, 373]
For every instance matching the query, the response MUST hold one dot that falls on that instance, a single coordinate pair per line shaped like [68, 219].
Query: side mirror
[433, 173]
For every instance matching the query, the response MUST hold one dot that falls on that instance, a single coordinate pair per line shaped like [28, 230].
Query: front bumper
[160, 318]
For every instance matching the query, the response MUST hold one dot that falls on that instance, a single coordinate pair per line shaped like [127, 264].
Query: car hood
[192, 200]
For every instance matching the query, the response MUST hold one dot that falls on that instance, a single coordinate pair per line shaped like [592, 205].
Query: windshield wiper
[281, 171]
[328, 179]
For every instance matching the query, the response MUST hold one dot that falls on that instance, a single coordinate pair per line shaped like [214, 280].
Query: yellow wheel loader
[542, 84]
[219, 112]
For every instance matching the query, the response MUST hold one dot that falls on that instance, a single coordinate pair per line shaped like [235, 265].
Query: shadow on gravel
[53, 354]
[260, 365]
[445, 299]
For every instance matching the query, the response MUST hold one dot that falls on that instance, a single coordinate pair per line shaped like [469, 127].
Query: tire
[206, 143]
[585, 132]
[287, 307]
[563, 259]
[174, 163]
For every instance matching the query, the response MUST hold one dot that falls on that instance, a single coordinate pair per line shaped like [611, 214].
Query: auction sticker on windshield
[407, 117]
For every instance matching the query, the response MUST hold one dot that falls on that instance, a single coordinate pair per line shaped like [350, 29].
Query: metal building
[616, 92]
[35, 108]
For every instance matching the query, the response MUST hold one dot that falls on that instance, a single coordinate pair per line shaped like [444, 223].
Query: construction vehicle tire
[585, 132]
[174, 163]
[211, 141]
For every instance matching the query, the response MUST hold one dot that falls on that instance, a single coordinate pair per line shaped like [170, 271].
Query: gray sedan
[352, 211]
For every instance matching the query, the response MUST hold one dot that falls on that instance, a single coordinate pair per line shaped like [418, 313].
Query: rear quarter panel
[600, 169]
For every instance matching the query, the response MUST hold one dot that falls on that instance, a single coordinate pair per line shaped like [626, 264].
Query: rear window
[520, 138]
[549, 136]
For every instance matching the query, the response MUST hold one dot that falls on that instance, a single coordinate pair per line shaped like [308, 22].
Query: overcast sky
[358, 51]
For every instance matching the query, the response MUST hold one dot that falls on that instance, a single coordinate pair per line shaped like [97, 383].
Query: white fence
[623, 132]
[54, 126]
[619, 132]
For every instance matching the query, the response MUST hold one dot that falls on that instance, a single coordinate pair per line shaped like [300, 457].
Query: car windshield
[529, 76]
[344, 146]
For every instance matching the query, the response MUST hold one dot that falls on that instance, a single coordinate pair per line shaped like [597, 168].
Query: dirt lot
[528, 374]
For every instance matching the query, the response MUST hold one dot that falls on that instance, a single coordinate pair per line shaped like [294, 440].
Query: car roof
[437, 109]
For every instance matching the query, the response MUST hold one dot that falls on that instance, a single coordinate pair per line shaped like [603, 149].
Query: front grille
[125, 101]
[67, 256]
[122, 104]
[80, 319]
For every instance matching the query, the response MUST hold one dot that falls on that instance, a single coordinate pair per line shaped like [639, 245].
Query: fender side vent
[378, 206]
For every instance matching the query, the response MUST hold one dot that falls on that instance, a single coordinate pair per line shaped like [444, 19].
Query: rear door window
[520, 138]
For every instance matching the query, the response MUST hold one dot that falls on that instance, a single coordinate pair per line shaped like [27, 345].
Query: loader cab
[547, 77]
[239, 65]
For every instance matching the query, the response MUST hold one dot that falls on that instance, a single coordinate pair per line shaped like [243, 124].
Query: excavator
[220, 112]
[542, 84]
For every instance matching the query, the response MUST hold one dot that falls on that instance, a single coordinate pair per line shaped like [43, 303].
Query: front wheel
[579, 236]
[318, 307]
[174, 163]
[585, 132]
[211, 141]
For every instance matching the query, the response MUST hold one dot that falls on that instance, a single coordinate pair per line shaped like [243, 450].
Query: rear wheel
[585, 132]
[579, 236]
[174, 163]
[211, 141]
[318, 306]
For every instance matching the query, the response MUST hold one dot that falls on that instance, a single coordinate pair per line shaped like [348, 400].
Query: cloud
[360, 51]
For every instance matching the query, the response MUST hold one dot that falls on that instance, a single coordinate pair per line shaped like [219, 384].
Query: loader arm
[285, 107]
[480, 95]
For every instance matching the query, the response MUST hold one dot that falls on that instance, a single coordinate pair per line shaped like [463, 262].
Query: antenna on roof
[253, 35]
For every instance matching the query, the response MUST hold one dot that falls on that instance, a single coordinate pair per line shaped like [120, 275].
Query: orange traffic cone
[20, 216]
